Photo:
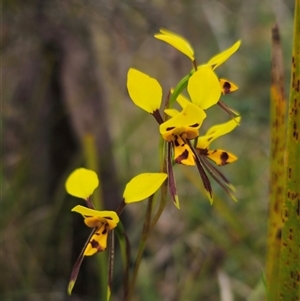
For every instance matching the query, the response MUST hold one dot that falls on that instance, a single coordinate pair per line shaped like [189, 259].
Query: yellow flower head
[180, 128]
[103, 222]
[186, 123]
[177, 42]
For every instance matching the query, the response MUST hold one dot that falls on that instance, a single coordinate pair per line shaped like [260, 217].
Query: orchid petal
[171, 112]
[110, 216]
[221, 157]
[183, 101]
[142, 186]
[204, 87]
[144, 90]
[220, 58]
[182, 152]
[217, 131]
[188, 121]
[98, 241]
[227, 86]
[81, 183]
[177, 42]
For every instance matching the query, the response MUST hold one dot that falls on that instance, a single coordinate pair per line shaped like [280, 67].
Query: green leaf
[277, 168]
[289, 267]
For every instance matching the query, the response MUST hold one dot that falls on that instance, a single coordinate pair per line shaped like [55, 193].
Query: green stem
[162, 204]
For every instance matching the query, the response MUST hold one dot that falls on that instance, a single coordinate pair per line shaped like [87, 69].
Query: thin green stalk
[289, 262]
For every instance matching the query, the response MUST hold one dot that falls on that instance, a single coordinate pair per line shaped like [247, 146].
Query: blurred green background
[64, 68]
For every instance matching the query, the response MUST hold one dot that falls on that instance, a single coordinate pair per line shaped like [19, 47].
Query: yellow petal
[220, 58]
[110, 216]
[217, 131]
[183, 101]
[142, 186]
[188, 121]
[177, 42]
[221, 157]
[204, 87]
[144, 90]
[182, 152]
[171, 112]
[81, 183]
[93, 222]
[227, 86]
[98, 241]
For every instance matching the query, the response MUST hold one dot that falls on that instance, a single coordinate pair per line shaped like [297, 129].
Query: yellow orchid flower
[201, 85]
[177, 42]
[139, 188]
[184, 46]
[178, 131]
[103, 222]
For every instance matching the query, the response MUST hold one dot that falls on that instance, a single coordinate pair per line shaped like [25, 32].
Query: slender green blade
[277, 169]
[289, 267]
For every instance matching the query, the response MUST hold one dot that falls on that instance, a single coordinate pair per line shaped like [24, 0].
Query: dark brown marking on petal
[94, 244]
[176, 140]
[226, 88]
[194, 125]
[224, 157]
[170, 128]
[105, 230]
[108, 217]
[183, 156]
